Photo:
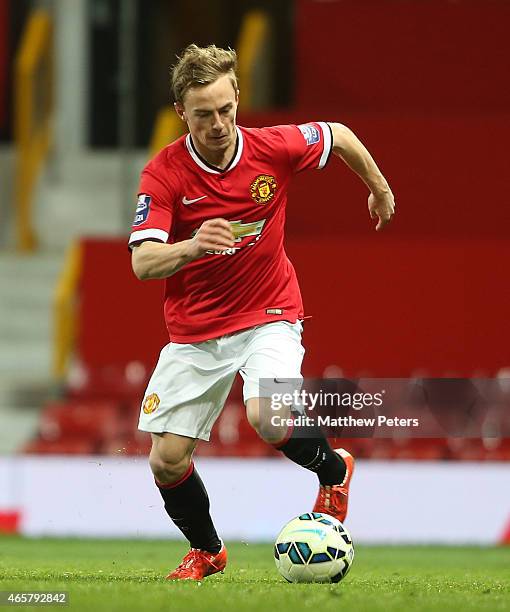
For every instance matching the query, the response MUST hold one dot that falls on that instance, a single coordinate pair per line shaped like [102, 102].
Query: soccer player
[210, 219]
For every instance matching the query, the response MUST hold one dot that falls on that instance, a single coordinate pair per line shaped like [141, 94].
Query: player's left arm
[350, 149]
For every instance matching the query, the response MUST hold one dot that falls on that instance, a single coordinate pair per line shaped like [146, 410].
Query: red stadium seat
[115, 381]
[499, 450]
[467, 449]
[93, 420]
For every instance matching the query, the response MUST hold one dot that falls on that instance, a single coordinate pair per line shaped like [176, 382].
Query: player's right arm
[152, 256]
[151, 260]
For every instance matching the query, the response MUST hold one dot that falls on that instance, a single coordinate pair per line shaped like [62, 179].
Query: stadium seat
[75, 427]
[122, 382]
[92, 420]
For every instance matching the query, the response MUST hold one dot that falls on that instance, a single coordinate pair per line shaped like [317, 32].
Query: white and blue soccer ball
[314, 547]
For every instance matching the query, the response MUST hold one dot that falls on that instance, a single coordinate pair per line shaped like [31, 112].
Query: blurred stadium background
[84, 101]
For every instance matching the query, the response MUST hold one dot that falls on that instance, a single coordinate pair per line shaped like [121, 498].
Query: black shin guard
[308, 447]
[187, 504]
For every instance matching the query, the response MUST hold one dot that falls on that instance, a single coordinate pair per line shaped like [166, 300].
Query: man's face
[210, 112]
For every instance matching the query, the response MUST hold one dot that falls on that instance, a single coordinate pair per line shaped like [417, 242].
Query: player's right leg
[187, 504]
[184, 396]
[170, 456]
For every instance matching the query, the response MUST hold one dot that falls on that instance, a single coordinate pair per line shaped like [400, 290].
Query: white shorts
[191, 382]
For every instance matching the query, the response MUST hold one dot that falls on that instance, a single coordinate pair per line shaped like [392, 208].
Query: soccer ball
[313, 547]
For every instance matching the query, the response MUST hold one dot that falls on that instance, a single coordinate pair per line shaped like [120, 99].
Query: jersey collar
[211, 169]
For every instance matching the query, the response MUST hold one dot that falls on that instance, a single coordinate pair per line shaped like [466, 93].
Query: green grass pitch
[109, 575]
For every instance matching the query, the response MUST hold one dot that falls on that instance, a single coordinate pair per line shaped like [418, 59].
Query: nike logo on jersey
[187, 202]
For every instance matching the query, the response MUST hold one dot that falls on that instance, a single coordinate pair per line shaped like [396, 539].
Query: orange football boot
[333, 499]
[198, 564]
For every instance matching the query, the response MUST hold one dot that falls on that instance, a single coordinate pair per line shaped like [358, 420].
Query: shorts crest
[151, 403]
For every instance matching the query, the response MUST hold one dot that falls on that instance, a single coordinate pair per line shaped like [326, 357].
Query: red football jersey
[253, 282]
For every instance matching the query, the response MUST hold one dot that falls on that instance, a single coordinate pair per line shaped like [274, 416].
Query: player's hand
[382, 207]
[212, 235]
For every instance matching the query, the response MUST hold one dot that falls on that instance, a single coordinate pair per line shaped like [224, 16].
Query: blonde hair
[198, 66]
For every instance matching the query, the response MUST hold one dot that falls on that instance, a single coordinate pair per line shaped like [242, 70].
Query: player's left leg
[277, 353]
[308, 447]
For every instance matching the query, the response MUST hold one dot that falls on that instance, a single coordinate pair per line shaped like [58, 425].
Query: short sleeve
[309, 145]
[154, 209]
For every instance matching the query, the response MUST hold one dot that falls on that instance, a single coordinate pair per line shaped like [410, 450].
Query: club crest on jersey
[150, 403]
[310, 133]
[263, 188]
[142, 209]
